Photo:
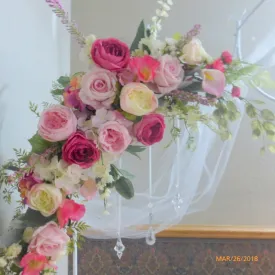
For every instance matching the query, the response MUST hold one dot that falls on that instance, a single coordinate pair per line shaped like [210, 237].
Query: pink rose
[49, 240]
[57, 123]
[127, 76]
[114, 137]
[70, 210]
[80, 150]
[98, 88]
[150, 129]
[169, 74]
[103, 115]
[110, 54]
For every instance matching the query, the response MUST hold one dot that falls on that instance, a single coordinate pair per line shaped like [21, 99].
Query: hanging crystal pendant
[177, 202]
[151, 237]
[119, 248]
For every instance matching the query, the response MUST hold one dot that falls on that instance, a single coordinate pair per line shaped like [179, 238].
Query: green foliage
[78, 228]
[238, 71]
[141, 32]
[33, 218]
[126, 174]
[125, 188]
[263, 80]
[39, 144]
[64, 81]
[135, 149]
[251, 111]
[34, 108]
[267, 114]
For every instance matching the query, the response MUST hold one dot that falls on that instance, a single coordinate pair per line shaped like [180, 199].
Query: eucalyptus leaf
[135, 149]
[139, 35]
[126, 174]
[33, 218]
[39, 144]
[267, 114]
[125, 188]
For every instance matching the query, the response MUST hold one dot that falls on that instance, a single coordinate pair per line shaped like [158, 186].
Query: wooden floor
[219, 232]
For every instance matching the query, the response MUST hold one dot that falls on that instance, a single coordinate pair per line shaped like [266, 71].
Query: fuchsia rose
[70, 210]
[150, 129]
[169, 74]
[236, 91]
[110, 54]
[72, 99]
[57, 123]
[49, 240]
[114, 137]
[144, 67]
[98, 88]
[33, 264]
[227, 57]
[80, 150]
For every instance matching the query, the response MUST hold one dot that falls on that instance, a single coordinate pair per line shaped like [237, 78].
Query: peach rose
[137, 99]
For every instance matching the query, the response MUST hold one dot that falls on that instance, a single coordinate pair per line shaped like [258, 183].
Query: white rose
[27, 235]
[3, 262]
[85, 53]
[13, 251]
[193, 53]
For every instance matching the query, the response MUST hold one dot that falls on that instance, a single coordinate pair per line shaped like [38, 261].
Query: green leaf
[256, 133]
[140, 34]
[126, 174]
[57, 92]
[257, 101]
[268, 126]
[251, 111]
[39, 144]
[271, 148]
[256, 124]
[134, 149]
[267, 114]
[125, 188]
[264, 80]
[33, 218]
[146, 48]
[64, 81]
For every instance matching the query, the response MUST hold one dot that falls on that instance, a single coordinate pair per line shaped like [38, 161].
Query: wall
[34, 51]
[245, 195]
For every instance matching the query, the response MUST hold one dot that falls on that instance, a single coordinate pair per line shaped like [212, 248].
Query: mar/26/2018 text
[237, 258]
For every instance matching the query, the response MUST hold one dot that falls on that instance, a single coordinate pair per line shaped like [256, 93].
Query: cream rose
[13, 251]
[193, 53]
[45, 198]
[137, 99]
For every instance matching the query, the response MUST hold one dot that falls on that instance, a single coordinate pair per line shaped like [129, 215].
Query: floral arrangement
[123, 104]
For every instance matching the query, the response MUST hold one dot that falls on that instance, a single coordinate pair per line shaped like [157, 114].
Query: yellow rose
[45, 198]
[137, 99]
